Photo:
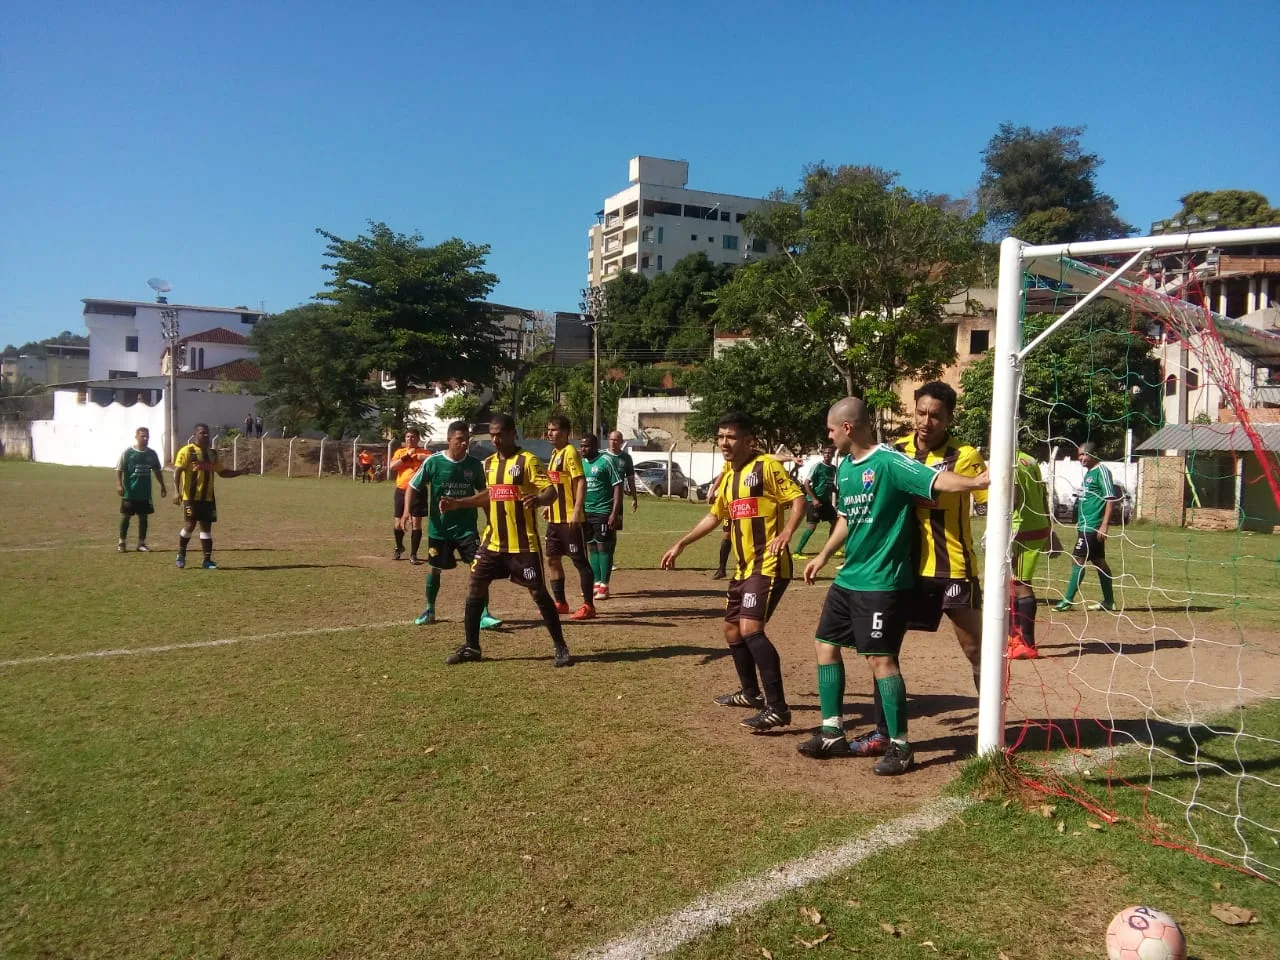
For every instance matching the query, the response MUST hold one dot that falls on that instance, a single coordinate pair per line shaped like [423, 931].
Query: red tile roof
[216, 335]
[239, 371]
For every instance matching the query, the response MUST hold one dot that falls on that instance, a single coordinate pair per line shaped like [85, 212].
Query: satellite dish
[159, 286]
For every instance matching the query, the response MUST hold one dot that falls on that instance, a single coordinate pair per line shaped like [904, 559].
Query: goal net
[1157, 707]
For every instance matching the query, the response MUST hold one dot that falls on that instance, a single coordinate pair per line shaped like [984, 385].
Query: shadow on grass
[293, 566]
[632, 654]
[706, 592]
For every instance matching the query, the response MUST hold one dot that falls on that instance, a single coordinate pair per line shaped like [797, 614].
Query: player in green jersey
[819, 486]
[603, 509]
[1096, 497]
[1031, 528]
[868, 606]
[454, 473]
[133, 484]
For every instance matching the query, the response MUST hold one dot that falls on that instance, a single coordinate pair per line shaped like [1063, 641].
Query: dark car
[1064, 510]
[653, 475]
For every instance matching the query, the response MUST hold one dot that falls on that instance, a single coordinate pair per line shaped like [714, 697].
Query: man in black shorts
[819, 489]
[867, 607]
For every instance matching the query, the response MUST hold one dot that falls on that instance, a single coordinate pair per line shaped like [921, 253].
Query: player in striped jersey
[947, 564]
[753, 495]
[566, 521]
[194, 467]
[515, 485]
[1031, 528]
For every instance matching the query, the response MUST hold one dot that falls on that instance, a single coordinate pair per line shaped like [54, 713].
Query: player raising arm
[867, 608]
[194, 467]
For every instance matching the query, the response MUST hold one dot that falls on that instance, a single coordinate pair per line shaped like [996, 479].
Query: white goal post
[1016, 257]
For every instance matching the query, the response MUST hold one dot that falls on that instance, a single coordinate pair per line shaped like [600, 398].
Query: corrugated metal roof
[1212, 437]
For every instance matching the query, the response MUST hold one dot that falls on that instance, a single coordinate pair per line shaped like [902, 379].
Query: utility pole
[595, 309]
[170, 330]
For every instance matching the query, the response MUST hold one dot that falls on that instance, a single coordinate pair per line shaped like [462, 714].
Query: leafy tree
[862, 278]
[37, 347]
[1091, 380]
[459, 406]
[776, 382]
[312, 375]
[416, 312]
[666, 318]
[623, 334]
[1234, 208]
[1039, 186]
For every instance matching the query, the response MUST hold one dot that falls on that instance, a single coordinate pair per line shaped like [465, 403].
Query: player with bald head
[867, 608]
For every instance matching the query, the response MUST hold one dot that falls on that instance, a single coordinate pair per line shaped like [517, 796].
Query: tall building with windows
[648, 227]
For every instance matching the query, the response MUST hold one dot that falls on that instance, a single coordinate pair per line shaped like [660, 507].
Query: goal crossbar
[1061, 262]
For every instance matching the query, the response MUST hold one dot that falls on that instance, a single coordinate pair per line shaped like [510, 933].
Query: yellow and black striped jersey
[563, 469]
[512, 527]
[194, 468]
[944, 542]
[752, 500]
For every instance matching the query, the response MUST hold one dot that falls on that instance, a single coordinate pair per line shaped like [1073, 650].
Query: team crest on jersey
[868, 478]
[516, 472]
[751, 480]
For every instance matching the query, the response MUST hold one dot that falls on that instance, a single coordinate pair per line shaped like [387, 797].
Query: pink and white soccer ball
[1142, 933]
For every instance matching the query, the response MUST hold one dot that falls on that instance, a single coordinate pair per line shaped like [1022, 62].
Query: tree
[1091, 380]
[417, 312]
[863, 274]
[666, 318]
[312, 376]
[776, 382]
[459, 406]
[1038, 186]
[1232, 208]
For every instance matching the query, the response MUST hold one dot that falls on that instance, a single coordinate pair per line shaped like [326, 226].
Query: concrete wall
[1161, 498]
[15, 439]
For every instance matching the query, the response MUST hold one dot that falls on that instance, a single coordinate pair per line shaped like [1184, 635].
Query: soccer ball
[1141, 933]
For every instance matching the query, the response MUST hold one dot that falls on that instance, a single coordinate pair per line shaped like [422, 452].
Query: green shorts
[1024, 557]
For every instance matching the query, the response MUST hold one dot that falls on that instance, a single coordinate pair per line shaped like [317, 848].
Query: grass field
[324, 786]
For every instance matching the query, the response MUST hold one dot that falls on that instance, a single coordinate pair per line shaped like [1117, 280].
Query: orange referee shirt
[411, 459]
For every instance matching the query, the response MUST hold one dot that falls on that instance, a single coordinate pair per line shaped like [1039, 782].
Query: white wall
[217, 353]
[630, 408]
[107, 336]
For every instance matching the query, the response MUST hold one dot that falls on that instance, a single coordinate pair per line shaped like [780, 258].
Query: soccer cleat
[143, 548]
[209, 565]
[1103, 606]
[719, 575]
[399, 554]
[1062, 606]
[180, 563]
[463, 654]
[1020, 651]
[799, 556]
[426, 616]
[602, 591]
[121, 548]
[563, 657]
[897, 759]
[871, 744]
[584, 612]
[489, 623]
[414, 561]
[739, 699]
[824, 746]
[768, 719]
[562, 608]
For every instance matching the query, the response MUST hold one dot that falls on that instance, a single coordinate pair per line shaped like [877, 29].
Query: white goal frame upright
[1015, 255]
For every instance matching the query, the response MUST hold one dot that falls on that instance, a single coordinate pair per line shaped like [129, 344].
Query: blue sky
[205, 145]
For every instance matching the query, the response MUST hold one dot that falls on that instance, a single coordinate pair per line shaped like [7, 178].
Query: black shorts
[754, 598]
[1090, 548]
[935, 595]
[200, 511]
[420, 504]
[820, 512]
[441, 553]
[566, 540]
[871, 622]
[136, 508]
[599, 530]
[522, 569]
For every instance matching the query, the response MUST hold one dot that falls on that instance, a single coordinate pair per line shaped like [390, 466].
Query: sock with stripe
[893, 693]
[745, 665]
[124, 526]
[399, 539]
[142, 528]
[606, 565]
[1077, 571]
[206, 544]
[549, 615]
[831, 697]
[1024, 619]
[586, 581]
[184, 538]
[1108, 587]
[433, 588]
[769, 664]
[471, 615]
[415, 541]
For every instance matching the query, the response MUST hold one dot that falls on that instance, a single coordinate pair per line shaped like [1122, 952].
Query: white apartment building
[126, 338]
[657, 221]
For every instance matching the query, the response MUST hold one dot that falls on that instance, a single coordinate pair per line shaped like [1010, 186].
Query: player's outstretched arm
[834, 543]
[700, 530]
[950, 482]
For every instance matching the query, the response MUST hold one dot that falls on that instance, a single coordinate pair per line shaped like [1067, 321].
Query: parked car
[653, 474]
[1064, 510]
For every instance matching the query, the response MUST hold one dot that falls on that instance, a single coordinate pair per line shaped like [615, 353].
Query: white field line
[722, 907]
[199, 644]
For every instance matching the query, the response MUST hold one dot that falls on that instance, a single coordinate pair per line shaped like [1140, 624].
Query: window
[979, 341]
[121, 374]
[759, 246]
[730, 242]
[693, 236]
[130, 344]
[250, 318]
[199, 358]
[711, 239]
[724, 216]
[738, 218]
[659, 261]
[1193, 379]
[661, 206]
[659, 234]
[1170, 385]
[644, 262]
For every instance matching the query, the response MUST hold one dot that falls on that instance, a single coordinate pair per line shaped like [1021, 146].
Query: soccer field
[269, 760]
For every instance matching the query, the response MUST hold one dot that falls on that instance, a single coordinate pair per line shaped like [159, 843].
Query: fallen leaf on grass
[929, 944]
[1232, 915]
[429, 750]
[810, 944]
[1062, 826]
[1046, 810]
[812, 915]
[766, 954]
[1005, 805]
[892, 929]
[1093, 826]
[853, 903]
